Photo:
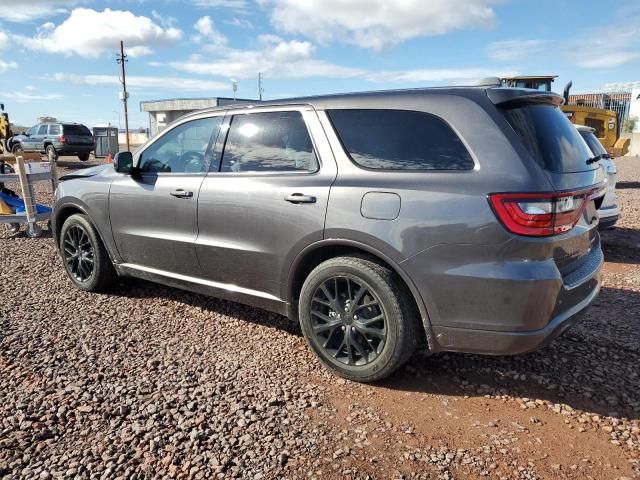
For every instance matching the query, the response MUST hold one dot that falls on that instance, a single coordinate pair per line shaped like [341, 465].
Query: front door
[266, 201]
[153, 213]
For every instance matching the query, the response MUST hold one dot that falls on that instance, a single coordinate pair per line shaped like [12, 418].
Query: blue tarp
[18, 204]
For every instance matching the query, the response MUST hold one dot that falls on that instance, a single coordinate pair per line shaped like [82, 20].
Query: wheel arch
[318, 252]
[62, 211]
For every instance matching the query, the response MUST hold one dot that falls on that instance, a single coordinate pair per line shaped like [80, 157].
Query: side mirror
[123, 162]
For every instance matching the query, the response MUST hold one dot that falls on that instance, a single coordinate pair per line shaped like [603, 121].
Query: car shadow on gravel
[592, 367]
[627, 185]
[147, 290]
[621, 245]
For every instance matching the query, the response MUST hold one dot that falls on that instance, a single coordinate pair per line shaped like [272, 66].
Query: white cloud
[240, 23]
[620, 86]
[207, 30]
[376, 24]
[514, 50]
[31, 97]
[240, 5]
[276, 58]
[450, 76]
[89, 33]
[612, 47]
[143, 82]
[26, 11]
[606, 59]
[4, 66]
[4, 40]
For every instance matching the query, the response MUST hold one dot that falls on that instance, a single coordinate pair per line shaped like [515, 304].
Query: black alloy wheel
[79, 253]
[348, 320]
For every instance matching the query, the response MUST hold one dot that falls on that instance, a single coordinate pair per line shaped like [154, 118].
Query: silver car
[454, 219]
[609, 212]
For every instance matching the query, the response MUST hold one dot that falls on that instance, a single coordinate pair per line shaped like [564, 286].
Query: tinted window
[273, 141]
[550, 138]
[55, 130]
[400, 140]
[42, 130]
[593, 142]
[76, 130]
[182, 149]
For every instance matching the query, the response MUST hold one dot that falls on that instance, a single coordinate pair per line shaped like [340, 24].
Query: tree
[629, 125]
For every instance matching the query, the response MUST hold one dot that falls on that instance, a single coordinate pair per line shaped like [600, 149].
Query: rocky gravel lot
[152, 382]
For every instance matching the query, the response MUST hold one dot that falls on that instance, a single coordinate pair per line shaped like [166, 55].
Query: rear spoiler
[513, 97]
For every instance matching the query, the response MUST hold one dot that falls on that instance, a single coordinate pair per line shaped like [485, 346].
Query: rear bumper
[74, 149]
[507, 308]
[511, 343]
[608, 216]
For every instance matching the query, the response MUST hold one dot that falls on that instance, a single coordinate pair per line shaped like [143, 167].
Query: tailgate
[545, 136]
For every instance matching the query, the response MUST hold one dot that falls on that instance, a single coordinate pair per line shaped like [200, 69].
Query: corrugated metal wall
[617, 101]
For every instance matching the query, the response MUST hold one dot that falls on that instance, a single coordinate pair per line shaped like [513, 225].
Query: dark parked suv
[459, 219]
[55, 139]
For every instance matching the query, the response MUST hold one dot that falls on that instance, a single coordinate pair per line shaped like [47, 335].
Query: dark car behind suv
[55, 139]
[462, 219]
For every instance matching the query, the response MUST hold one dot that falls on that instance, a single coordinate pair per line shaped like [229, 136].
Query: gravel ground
[154, 382]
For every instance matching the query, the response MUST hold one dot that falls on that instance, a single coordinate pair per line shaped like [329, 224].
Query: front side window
[32, 130]
[182, 149]
[269, 141]
[400, 140]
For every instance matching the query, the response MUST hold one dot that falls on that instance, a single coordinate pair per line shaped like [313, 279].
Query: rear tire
[83, 157]
[52, 155]
[85, 259]
[361, 336]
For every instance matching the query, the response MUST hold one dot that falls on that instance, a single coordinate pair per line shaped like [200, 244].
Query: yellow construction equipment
[605, 122]
[5, 129]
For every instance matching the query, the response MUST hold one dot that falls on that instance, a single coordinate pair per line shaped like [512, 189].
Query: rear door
[77, 135]
[154, 213]
[266, 200]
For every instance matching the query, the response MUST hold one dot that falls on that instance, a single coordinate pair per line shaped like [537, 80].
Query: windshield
[594, 144]
[550, 138]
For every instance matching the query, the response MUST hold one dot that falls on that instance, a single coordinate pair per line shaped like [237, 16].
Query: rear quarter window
[400, 140]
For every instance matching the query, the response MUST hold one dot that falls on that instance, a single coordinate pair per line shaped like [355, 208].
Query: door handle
[180, 193]
[300, 198]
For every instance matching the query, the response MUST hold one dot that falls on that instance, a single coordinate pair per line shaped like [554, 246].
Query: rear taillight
[61, 139]
[542, 214]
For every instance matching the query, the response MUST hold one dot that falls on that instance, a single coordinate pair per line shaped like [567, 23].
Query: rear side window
[55, 130]
[593, 142]
[76, 130]
[43, 130]
[269, 141]
[550, 138]
[400, 140]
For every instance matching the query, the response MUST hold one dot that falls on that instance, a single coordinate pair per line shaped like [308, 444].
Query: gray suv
[456, 219]
[55, 139]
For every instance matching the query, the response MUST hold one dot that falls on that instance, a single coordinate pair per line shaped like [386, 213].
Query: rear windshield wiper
[596, 158]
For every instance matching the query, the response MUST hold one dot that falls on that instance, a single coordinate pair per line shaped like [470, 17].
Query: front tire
[83, 157]
[52, 155]
[356, 317]
[85, 259]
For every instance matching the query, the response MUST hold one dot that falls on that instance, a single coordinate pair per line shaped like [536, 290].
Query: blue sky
[57, 57]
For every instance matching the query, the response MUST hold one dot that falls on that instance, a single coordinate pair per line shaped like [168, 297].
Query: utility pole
[124, 95]
[260, 89]
[234, 87]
